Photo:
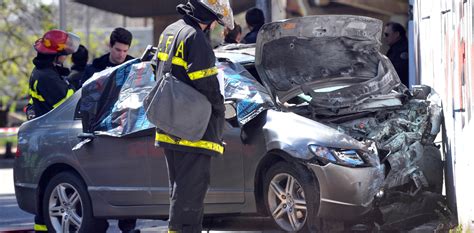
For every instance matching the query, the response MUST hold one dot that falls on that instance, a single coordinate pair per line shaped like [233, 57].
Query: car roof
[237, 53]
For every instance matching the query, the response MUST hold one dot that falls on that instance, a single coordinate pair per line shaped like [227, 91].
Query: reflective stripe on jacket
[193, 62]
[48, 90]
[39, 227]
[202, 144]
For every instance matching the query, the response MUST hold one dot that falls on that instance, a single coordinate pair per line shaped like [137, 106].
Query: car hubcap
[65, 208]
[287, 203]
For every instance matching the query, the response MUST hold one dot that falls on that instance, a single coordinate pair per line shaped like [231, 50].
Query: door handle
[83, 136]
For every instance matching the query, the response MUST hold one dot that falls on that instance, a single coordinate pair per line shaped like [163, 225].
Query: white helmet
[222, 9]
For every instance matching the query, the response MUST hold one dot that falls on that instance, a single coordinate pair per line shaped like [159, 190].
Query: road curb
[17, 230]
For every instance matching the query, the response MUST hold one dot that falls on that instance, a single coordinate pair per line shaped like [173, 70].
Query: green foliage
[21, 23]
[458, 229]
[4, 140]
[96, 46]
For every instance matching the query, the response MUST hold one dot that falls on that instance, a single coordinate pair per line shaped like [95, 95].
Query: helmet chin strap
[208, 28]
[207, 31]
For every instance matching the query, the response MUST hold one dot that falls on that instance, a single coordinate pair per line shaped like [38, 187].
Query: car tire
[67, 206]
[292, 198]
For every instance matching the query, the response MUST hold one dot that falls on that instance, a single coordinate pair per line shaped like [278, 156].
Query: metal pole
[412, 78]
[266, 7]
[88, 27]
[62, 15]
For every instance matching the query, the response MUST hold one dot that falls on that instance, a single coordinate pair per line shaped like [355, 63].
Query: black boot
[128, 225]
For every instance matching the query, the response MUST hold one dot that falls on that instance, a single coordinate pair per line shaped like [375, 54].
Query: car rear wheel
[67, 206]
[292, 198]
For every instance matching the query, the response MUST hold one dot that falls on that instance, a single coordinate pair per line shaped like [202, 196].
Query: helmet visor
[72, 43]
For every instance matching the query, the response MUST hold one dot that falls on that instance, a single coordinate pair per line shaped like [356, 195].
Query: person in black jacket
[395, 37]
[79, 61]
[120, 41]
[233, 36]
[255, 20]
[48, 87]
[193, 62]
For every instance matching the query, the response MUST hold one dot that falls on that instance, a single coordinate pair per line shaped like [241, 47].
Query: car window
[250, 97]
[250, 67]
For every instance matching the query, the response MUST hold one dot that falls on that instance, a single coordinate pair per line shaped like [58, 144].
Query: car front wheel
[292, 198]
[67, 206]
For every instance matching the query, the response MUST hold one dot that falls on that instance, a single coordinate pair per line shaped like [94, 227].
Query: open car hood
[339, 52]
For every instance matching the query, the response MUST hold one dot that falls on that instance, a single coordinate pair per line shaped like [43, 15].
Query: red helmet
[57, 42]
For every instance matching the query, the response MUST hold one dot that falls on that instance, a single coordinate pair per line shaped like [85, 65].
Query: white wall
[444, 60]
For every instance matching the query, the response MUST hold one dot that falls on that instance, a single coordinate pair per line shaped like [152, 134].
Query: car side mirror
[85, 138]
[230, 110]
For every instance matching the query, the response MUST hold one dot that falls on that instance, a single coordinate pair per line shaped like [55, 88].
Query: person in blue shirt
[255, 20]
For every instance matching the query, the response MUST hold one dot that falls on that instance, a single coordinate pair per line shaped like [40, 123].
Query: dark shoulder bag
[175, 107]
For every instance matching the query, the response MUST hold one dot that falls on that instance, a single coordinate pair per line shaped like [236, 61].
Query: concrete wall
[443, 43]
[282, 9]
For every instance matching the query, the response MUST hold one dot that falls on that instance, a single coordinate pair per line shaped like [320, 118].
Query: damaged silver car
[329, 69]
[332, 134]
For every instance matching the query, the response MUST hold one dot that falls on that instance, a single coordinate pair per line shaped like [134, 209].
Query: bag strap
[159, 73]
[165, 67]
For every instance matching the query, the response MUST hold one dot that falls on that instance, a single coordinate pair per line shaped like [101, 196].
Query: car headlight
[338, 156]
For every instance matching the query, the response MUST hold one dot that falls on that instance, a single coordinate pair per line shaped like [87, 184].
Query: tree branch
[10, 59]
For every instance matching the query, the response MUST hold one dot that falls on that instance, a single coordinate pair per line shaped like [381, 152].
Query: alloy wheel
[286, 202]
[65, 208]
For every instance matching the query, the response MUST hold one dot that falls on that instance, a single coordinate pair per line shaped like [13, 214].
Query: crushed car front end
[349, 174]
[348, 193]
[328, 70]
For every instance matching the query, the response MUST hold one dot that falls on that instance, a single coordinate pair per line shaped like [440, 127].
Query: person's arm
[54, 90]
[202, 71]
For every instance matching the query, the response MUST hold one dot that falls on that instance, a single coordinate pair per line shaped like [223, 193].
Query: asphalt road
[11, 216]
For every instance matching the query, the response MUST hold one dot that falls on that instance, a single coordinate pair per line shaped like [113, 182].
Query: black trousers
[125, 225]
[189, 177]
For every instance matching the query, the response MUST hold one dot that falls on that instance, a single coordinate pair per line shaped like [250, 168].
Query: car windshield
[307, 98]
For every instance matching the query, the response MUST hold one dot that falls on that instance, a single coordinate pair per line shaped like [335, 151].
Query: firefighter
[193, 62]
[48, 87]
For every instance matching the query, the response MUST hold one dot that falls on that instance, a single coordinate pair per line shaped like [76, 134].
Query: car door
[227, 171]
[116, 167]
[227, 179]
